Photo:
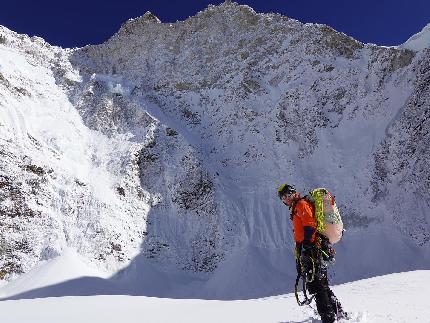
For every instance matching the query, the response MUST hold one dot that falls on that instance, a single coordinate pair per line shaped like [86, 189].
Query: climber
[313, 252]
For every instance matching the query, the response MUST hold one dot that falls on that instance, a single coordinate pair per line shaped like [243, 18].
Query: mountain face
[168, 142]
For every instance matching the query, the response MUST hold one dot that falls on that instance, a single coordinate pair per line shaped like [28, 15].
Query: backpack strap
[293, 206]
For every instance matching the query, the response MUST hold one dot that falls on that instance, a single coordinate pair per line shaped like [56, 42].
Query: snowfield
[399, 297]
[396, 298]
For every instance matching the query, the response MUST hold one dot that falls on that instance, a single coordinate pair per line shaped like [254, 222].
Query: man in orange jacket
[308, 242]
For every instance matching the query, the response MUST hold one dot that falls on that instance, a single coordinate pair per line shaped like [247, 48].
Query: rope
[305, 280]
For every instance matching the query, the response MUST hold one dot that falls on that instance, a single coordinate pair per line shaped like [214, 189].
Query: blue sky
[76, 23]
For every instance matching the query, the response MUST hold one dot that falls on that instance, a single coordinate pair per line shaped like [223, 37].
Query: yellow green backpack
[329, 221]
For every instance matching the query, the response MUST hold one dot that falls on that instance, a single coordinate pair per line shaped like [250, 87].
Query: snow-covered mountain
[160, 150]
[419, 41]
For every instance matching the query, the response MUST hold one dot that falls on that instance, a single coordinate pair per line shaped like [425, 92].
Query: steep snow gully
[155, 156]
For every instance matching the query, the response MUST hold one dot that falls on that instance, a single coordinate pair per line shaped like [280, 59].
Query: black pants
[328, 306]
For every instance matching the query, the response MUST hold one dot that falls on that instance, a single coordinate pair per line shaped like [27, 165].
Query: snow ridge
[419, 41]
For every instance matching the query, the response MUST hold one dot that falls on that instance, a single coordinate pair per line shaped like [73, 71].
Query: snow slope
[62, 268]
[419, 41]
[396, 298]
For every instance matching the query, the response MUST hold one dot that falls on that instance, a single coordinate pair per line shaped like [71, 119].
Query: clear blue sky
[75, 23]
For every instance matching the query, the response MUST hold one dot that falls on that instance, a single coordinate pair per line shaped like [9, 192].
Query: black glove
[298, 267]
[307, 248]
[306, 256]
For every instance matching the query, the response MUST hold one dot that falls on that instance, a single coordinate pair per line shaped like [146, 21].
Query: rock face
[402, 161]
[183, 131]
[61, 184]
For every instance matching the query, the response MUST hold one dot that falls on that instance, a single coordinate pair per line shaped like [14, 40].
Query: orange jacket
[303, 217]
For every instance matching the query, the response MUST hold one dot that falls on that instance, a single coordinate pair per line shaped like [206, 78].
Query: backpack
[328, 219]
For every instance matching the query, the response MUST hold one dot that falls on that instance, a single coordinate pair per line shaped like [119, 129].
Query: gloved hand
[307, 247]
[306, 257]
[298, 267]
